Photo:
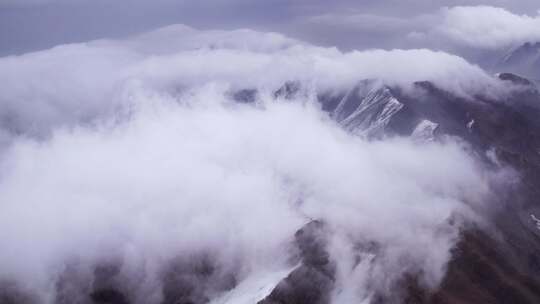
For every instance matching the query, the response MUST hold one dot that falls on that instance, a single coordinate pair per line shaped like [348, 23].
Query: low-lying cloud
[134, 151]
[213, 176]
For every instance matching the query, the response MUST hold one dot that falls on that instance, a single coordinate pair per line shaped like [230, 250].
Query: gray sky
[28, 25]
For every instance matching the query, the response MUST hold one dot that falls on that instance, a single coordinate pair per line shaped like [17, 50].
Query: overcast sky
[28, 25]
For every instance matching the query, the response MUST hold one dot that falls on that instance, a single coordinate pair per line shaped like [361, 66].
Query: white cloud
[213, 176]
[156, 162]
[487, 27]
[484, 27]
[79, 82]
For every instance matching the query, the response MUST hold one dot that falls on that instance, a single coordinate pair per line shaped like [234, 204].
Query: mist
[134, 152]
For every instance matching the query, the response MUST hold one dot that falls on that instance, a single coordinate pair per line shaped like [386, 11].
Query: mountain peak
[523, 60]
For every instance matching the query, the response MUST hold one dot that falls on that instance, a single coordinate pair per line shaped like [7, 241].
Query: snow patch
[425, 130]
[536, 220]
[372, 114]
[470, 125]
[254, 288]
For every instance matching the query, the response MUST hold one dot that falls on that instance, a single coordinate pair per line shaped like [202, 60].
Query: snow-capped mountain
[367, 108]
[501, 132]
[484, 268]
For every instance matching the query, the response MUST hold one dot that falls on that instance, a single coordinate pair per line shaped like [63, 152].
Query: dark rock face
[245, 96]
[187, 280]
[485, 268]
[513, 78]
[84, 284]
[108, 295]
[500, 267]
[194, 280]
[483, 272]
[11, 293]
[313, 280]
[289, 90]
[108, 287]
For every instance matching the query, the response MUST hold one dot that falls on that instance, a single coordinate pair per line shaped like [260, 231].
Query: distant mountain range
[523, 60]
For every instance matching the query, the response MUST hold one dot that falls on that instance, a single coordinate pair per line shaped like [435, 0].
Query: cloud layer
[346, 24]
[45, 89]
[134, 151]
[451, 28]
[488, 27]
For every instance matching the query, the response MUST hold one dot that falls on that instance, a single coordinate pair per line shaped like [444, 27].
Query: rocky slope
[501, 267]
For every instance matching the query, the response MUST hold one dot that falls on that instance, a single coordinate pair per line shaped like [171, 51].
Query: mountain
[498, 267]
[485, 268]
[366, 108]
[523, 60]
